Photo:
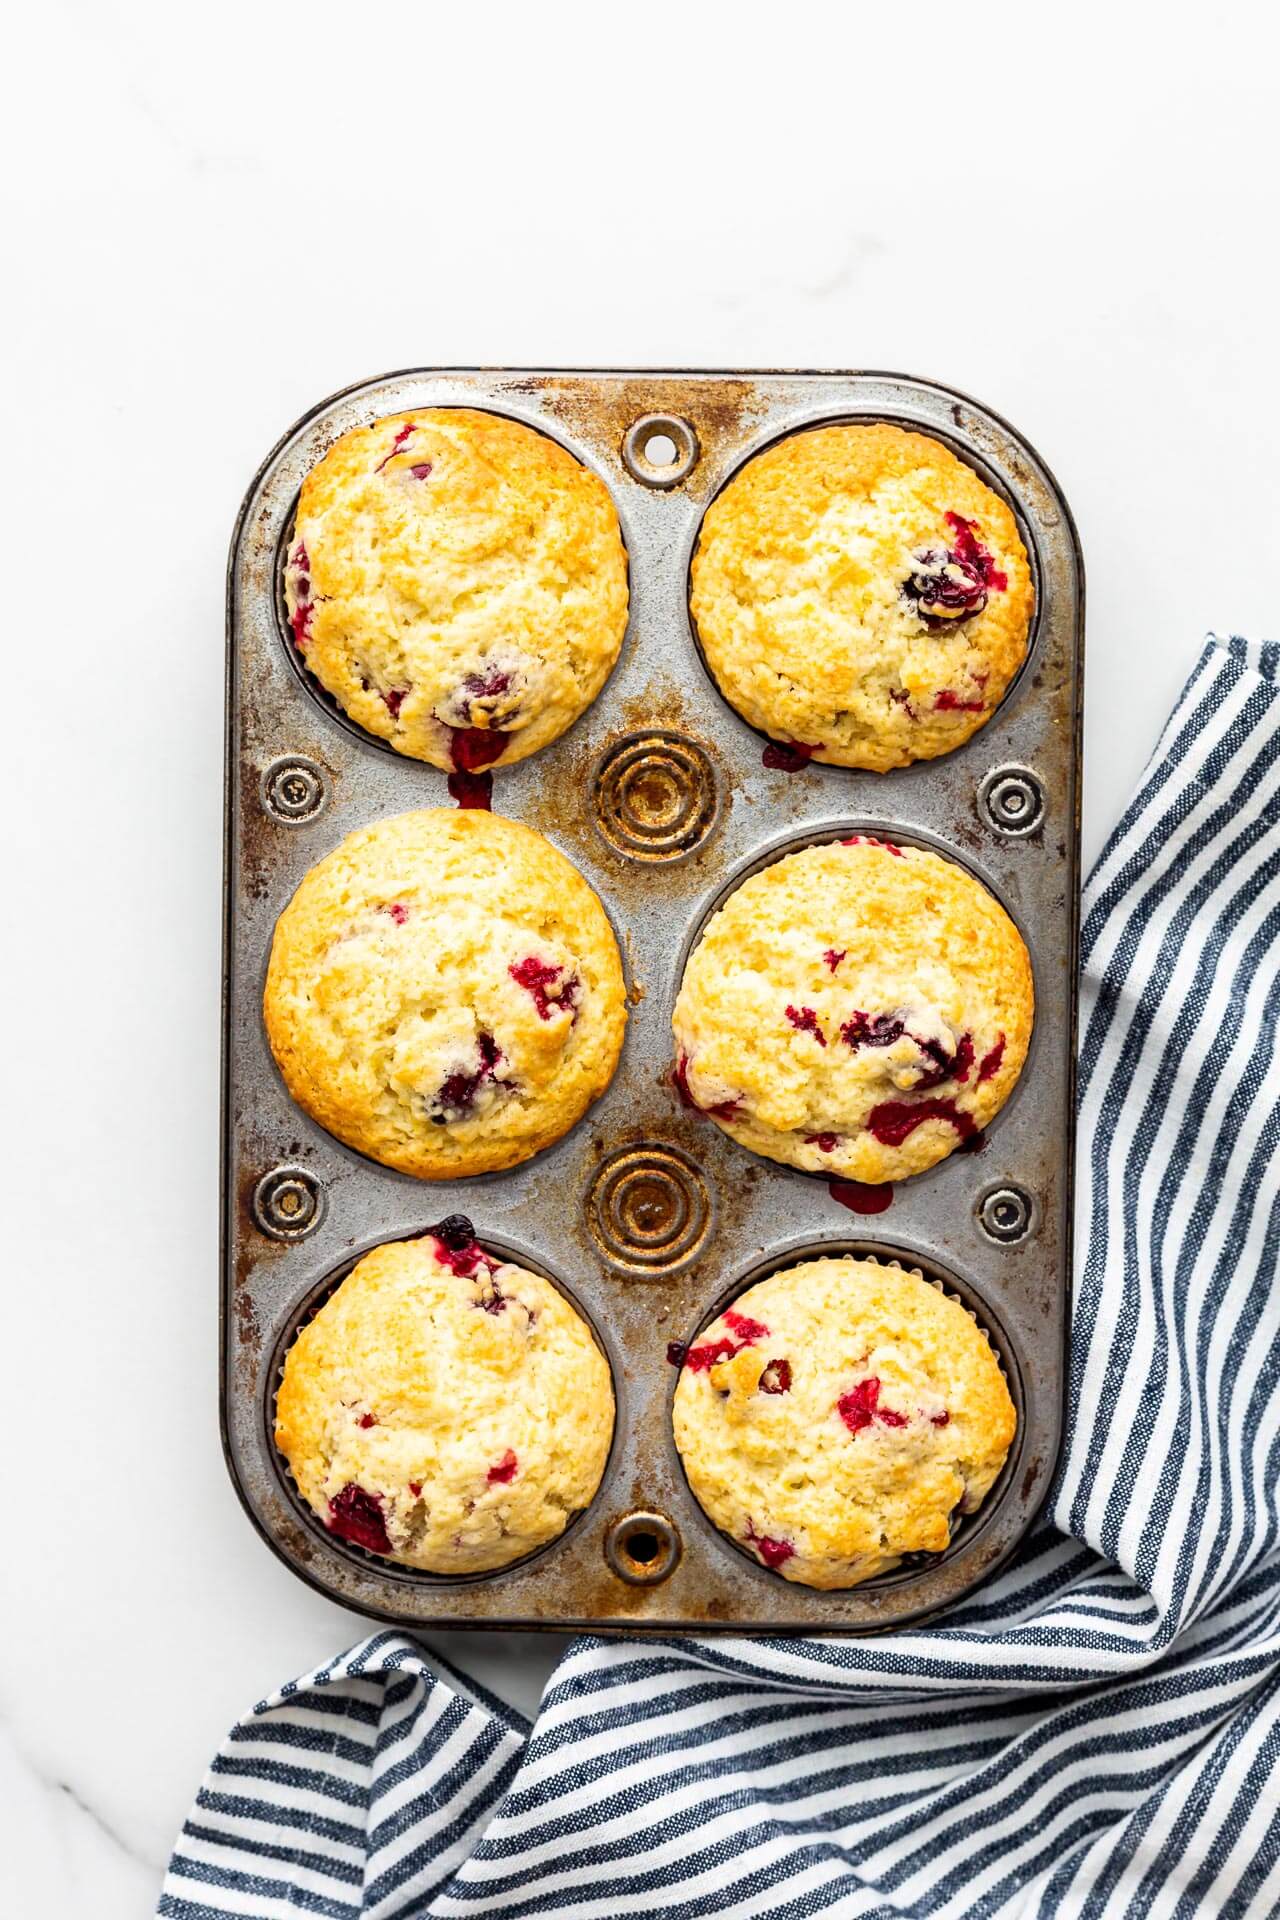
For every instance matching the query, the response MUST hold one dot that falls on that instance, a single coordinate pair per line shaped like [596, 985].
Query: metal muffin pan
[648, 1216]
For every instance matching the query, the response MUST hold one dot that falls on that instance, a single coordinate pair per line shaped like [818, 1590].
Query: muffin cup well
[966, 1528]
[971, 458]
[305, 1310]
[316, 691]
[826, 833]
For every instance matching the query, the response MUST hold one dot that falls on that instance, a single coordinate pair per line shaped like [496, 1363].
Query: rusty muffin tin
[647, 1215]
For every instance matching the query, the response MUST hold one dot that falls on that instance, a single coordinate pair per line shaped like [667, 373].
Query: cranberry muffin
[445, 993]
[840, 1415]
[858, 1009]
[458, 583]
[445, 1408]
[861, 595]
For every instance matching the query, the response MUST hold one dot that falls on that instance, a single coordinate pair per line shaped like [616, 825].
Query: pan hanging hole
[660, 450]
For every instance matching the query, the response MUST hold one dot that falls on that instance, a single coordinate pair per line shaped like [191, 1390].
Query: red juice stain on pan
[790, 756]
[861, 1198]
[472, 790]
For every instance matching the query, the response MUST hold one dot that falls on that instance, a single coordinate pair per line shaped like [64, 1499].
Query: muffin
[860, 594]
[445, 993]
[858, 1009]
[445, 1408]
[458, 583]
[838, 1416]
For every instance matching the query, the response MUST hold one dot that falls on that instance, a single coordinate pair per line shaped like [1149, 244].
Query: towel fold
[1096, 1731]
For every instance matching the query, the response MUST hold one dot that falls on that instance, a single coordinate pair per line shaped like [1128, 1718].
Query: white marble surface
[220, 215]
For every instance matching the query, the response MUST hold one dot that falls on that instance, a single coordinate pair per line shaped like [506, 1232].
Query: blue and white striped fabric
[1096, 1732]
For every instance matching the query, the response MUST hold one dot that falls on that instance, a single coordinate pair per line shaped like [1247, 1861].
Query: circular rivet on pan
[1011, 799]
[287, 1203]
[1005, 1214]
[650, 1210]
[655, 795]
[643, 1548]
[660, 450]
[294, 790]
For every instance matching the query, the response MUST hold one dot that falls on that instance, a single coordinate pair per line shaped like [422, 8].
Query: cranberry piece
[942, 1419]
[970, 551]
[710, 1354]
[825, 1142]
[457, 1095]
[357, 1516]
[860, 1406]
[505, 1470]
[415, 1488]
[964, 1058]
[491, 1298]
[943, 587]
[805, 1020]
[396, 445]
[790, 756]
[774, 1553]
[883, 1029]
[902, 698]
[394, 699]
[398, 911]
[474, 748]
[861, 1198]
[422, 471]
[776, 1377]
[676, 1351]
[869, 840]
[367, 1420]
[747, 1330]
[948, 701]
[464, 1261]
[489, 684]
[946, 1066]
[536, 977]
[949, 584]
[894, 1120]
[872, 1029]
[720, 1110]
[300, 624]
[472, 790]
[991, 1061]
[833, 958]
[455, 1231]
[458, 1249]
[857, 1407]
[743, 1332]
[298, 558]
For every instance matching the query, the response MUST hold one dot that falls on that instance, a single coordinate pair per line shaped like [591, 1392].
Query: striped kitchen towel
[1097, 1731]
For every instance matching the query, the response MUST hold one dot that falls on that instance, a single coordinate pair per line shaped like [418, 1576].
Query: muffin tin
[647, 1216]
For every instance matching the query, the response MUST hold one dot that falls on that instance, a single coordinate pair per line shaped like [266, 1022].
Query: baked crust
[452, 574]
[837, 604]
[445, 993]
[838, 1416]
[856, 1009]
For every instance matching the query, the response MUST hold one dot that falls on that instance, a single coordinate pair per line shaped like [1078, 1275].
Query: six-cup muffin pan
[646, 1215]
